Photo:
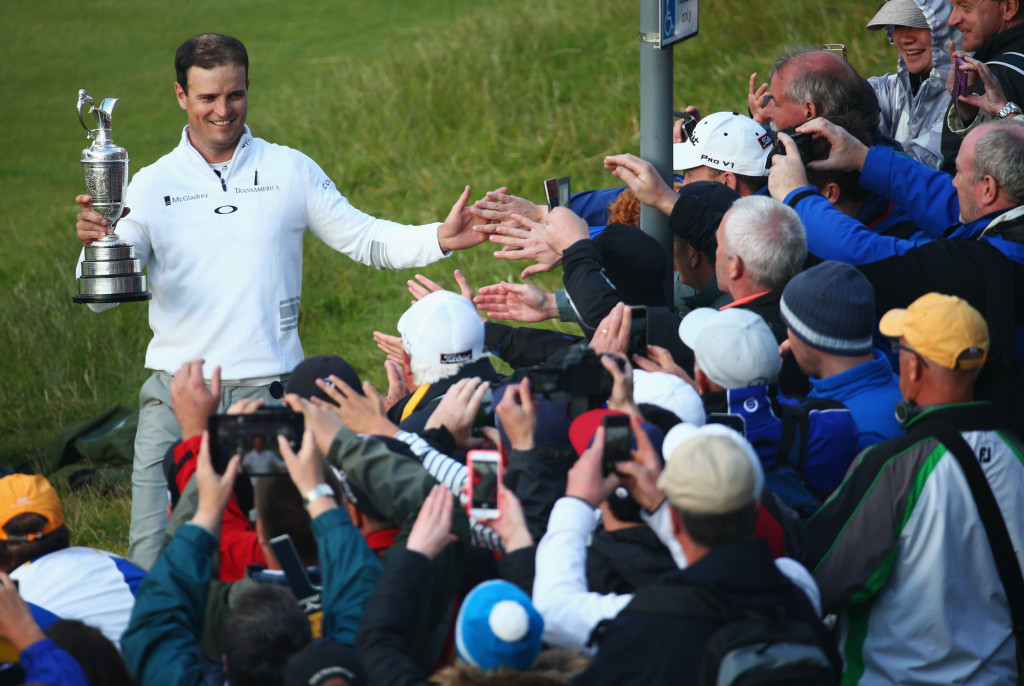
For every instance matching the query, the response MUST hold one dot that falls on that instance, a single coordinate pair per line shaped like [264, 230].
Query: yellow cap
[29, 493]
[941, 328]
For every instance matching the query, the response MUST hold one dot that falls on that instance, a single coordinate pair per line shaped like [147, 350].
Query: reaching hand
[563, 228]
[458, 411]
[511, 525]
[306, 470]
[677, 126]
[363, 414]
[644, 179]
[755, 100]
[517, 413]
[456, 233]
[585, 480]
[214, 489]
[612, 334]
[191, 400]
[516, 301]
[16, 622]
[526, 242]
[498, 207]
[660, 360]
[245, 406]
[391, 345]
[324, 423]
[423, 286]
[432, 530]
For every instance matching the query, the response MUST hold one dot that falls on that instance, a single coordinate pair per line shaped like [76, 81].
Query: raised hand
[518, 302]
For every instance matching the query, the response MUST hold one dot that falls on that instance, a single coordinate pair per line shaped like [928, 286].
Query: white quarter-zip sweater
[224, 256]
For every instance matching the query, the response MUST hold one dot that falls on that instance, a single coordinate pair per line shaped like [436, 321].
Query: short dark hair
[713, 530]
[280, 511]
[264, 628]
[848, 181]
[206, 51]
[752, 183]
[15, 553]
[99, 658]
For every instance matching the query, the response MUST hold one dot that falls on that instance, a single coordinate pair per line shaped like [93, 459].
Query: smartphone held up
[485, 473]
[254, 437]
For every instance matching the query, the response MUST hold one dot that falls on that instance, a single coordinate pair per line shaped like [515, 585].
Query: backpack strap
[995, 530]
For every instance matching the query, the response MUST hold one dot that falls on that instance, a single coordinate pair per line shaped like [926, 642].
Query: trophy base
[111, 274]
[114, 298]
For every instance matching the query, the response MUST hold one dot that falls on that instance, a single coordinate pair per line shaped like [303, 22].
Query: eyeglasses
[897, 346]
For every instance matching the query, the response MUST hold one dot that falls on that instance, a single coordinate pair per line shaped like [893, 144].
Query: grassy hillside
[401, 102]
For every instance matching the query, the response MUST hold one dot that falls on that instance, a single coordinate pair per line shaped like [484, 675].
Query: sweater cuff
[565, 311]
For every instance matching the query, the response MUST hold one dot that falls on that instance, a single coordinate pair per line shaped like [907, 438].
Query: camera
[810, 148]
[579, 378]
[254, 437]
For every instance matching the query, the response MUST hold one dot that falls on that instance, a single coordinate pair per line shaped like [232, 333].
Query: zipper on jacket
[223, 185]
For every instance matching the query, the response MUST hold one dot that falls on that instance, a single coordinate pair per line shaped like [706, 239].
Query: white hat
[442, 328]
[669, 392]
[733, 347]
[727, 141]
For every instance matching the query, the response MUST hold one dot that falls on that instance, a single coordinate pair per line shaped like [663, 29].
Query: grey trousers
[158, 432]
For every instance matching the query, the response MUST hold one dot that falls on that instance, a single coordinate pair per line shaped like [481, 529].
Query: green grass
[401, 102]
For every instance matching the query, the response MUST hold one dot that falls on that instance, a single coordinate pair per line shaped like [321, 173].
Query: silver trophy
[110, 272]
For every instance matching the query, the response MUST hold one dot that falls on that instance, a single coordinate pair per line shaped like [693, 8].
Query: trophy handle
[83, 98]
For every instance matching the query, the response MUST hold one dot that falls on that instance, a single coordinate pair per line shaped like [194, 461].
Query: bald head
[808, 83]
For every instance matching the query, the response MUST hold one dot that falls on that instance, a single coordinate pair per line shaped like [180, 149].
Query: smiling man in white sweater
[218, 222]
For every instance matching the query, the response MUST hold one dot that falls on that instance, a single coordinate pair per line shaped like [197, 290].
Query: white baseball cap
[442, 328]
[669, 392]
[733, 347]
[727, 141]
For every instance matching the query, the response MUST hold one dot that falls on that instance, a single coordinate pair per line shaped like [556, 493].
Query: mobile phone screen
[485, 484]
[254, 437]
[616, 442]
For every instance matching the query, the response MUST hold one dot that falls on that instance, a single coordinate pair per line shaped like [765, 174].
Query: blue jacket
[925, 194]
[45, 662]
[871, 391]
[162, 642]
[831, 440]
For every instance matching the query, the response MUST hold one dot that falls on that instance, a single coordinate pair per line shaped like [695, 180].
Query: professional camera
[578, 379]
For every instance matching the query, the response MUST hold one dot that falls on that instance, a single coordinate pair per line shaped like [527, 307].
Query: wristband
[317, 493]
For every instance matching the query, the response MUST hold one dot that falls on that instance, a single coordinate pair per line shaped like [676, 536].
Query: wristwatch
[1009, 110]
[318, 492]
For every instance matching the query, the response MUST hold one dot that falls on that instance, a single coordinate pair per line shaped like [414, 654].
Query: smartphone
[689, 123]
[736, 422]
[638, 331]
[616, 442]
[254, 437]
[959, 88]
[484, 467]
[557, 192]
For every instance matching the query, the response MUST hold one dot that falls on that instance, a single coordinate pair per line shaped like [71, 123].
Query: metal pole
[656, 121]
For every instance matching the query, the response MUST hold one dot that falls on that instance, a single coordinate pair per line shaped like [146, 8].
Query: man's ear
[1009, 9]
[355, 515]
[730, 180]
[811, 110]
[831, 192]
[989, 190]
[693, 256]
[179, 93]
[735, 268]
[700, 379]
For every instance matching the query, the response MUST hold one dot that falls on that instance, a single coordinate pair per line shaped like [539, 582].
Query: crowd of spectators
[804, 466]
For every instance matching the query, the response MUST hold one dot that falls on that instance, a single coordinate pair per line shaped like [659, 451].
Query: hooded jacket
[916, 121]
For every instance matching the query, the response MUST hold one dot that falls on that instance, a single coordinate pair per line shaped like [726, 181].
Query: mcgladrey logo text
[170, 200]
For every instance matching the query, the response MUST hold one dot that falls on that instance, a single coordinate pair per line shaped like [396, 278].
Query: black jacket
[995, 49]
[624, 560]
[652, 649]
[416, 421]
